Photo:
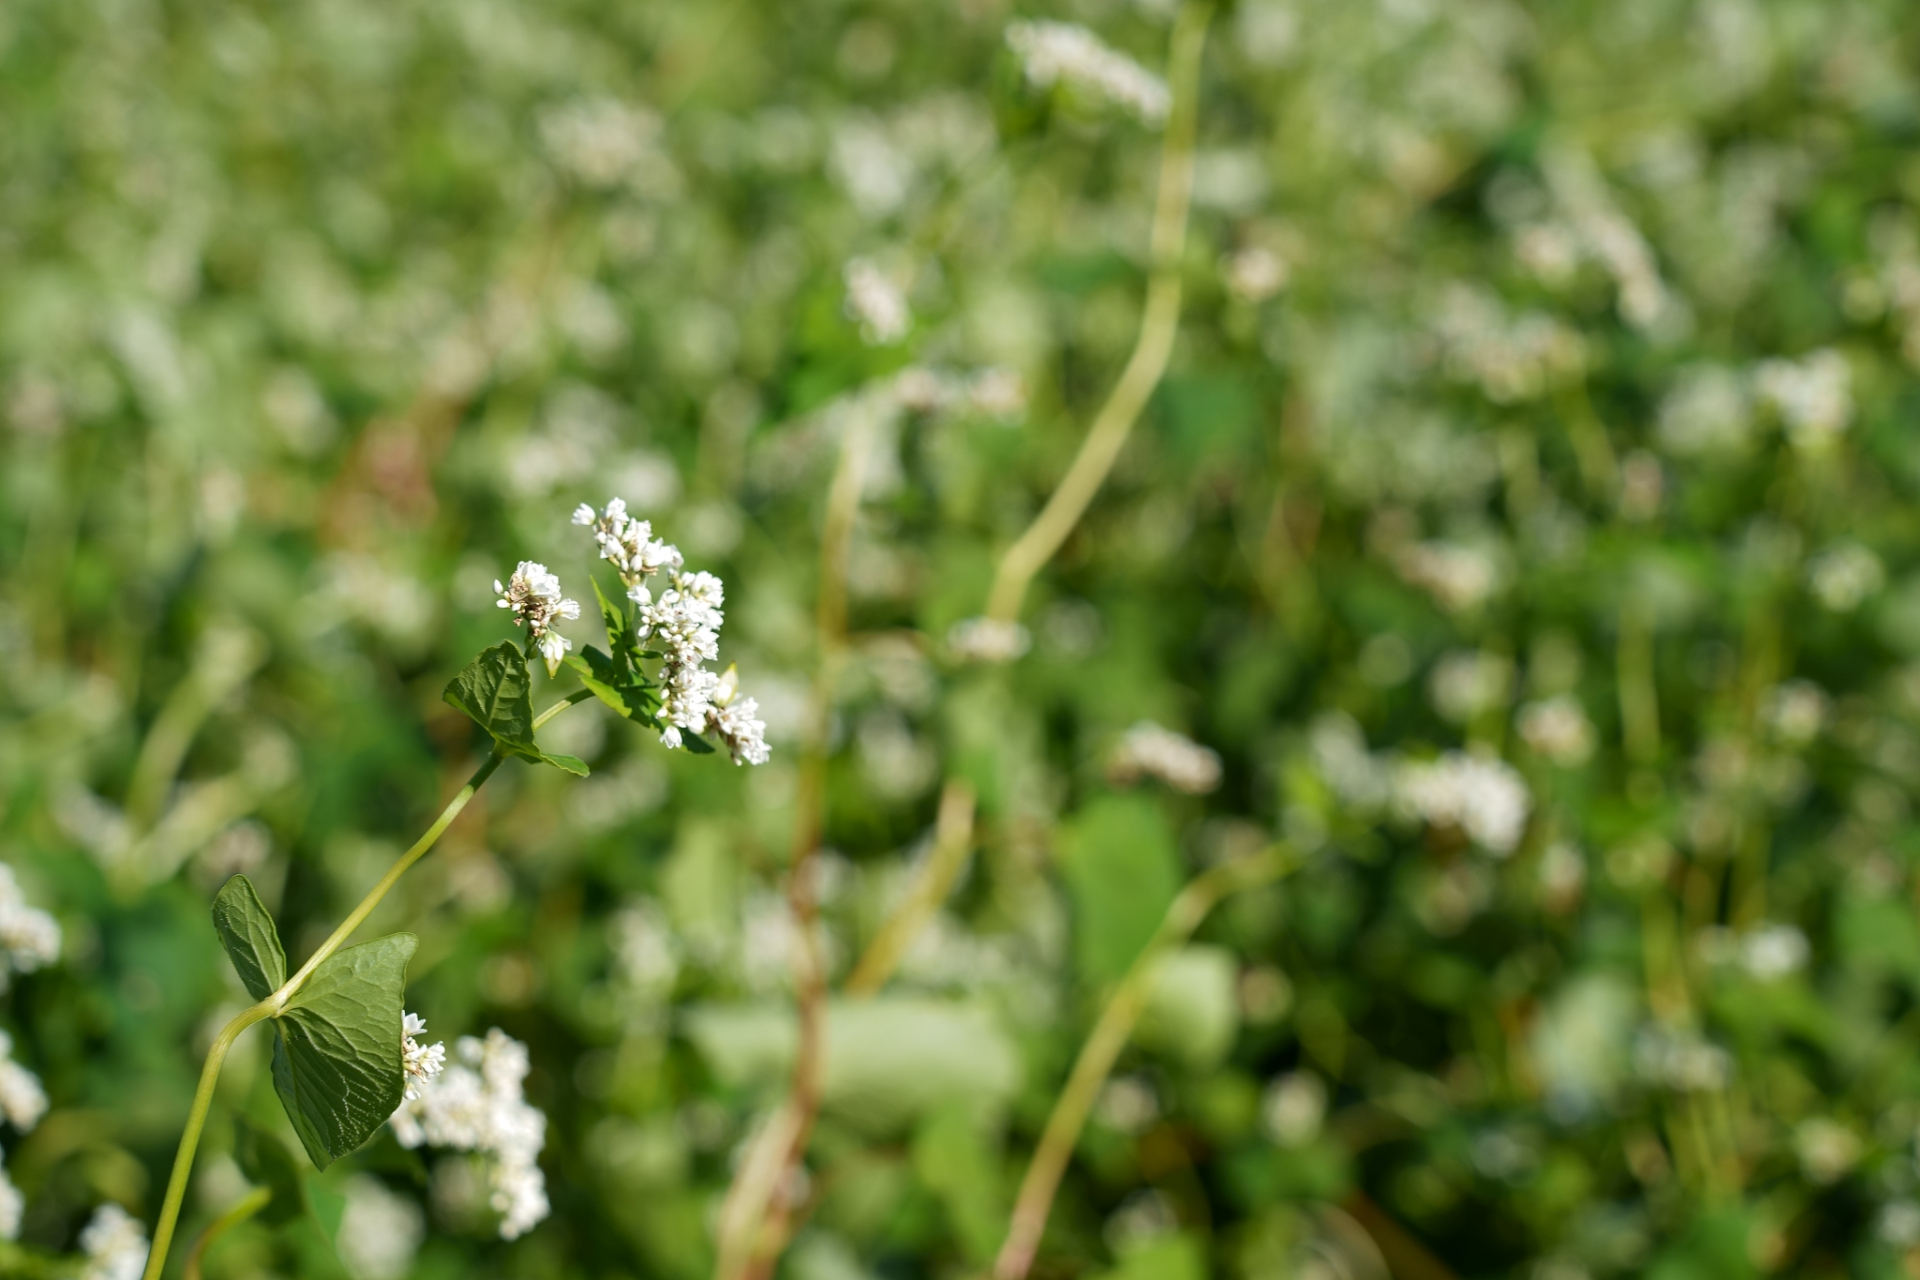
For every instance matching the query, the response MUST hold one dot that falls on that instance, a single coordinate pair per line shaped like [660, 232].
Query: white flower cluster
[115, 1244]
[534, 596]
[22, 1100]
[995, 393]
[1460, 578]
[1558, 729]
[1680, 1060]
[380, 1231]
[1485, 799]
[1768, 953]
[875, 302]
[1812, 395]
[1052, 53]
[1711, 408]
[1149, 751]
[477, 1104]
[421, 1062]
[1512, 358]
[987, 640]
[29, 937]
[1844, 575]
[684, 623]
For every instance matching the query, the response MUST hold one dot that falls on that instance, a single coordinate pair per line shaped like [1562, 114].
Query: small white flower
[29, 937]
[22, 1099]
[1053, 53]
[477, 1104]
[1558, 729]
[1149, 751]
[736, 721]
[987, 640]
[12, 1206]
[421, 1062]
[533, 595]
[1485, 799]
[115, 1244]
[380, 1231]
[875, 302]
[1844, 575]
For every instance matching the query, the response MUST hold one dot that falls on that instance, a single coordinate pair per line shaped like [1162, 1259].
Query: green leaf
[572, 764]
[247, 931]
[336, 1061]
[695, 743]
[266, 1161]
[497, 693]
[1122, 868]
[619, 631]
[620, 689]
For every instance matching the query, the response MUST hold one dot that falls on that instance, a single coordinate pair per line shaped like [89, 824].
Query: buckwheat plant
[347, 1058]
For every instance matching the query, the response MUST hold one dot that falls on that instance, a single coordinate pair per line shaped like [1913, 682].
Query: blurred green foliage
[1527, 520]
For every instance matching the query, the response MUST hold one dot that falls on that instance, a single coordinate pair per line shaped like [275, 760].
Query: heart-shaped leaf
[266, 1161]
[247, 931]
[336, 1060]
[497, 693]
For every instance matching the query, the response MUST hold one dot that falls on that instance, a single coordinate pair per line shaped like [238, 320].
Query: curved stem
[251, 1203]
[217, 1055]
[953, 840]
[1161, 319]
[754, 1217]
[196, 1121]
[1103, 1046]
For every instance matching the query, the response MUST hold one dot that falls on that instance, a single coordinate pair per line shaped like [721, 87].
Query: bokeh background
[1526, 521]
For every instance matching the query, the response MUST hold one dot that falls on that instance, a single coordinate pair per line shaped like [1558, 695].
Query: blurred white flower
[645, 949]
[1558, 729]
[1459, 577]
[477, 1104]
[115, 1245]
[380, 1230]
[1127, 1104]
[29, 937]
[1254, 274]
[1844, 575]
[876, 304]
[12, 1206]
[1812, 395]
[1796, 711]
[1707, 411]
[1827, 1149]
[22, 1099]
[1053, 53]
[1484, 799]
[1293, 1108]
[987, 640]
[1149, 751]
[1898, 1223]
[1774, 951]
[601, 141]
[1680, 1060]
[1466, 684]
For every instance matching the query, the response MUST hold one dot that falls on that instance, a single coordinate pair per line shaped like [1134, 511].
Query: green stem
[217, 1055]
[251, 1203]
[196, 1121]
[1160, 320]
[1102, 1049]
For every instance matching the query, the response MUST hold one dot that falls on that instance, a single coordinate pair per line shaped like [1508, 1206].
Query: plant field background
[1526, 520]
